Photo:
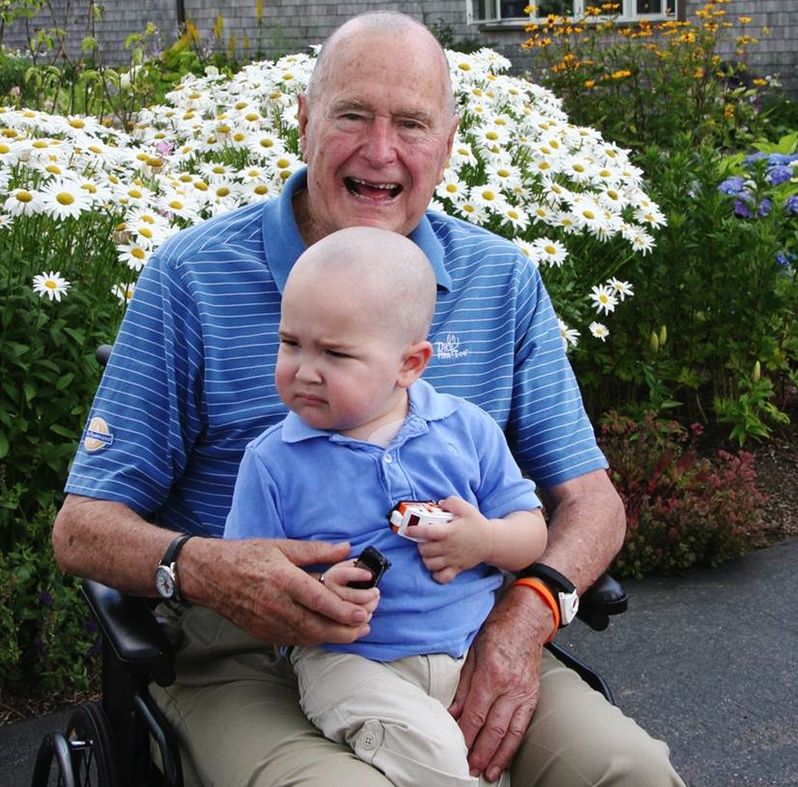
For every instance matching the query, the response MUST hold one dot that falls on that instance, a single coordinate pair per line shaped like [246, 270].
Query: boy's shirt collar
[425, 405]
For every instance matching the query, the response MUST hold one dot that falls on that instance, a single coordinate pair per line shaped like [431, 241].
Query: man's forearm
[110, 543]
[587, 526]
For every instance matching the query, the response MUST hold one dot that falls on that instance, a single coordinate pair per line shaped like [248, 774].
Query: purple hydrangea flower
[732, 186]
[791, 204]
[778, 175]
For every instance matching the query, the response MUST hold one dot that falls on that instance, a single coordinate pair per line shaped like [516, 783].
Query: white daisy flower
[570, 336]
[462, 154]
[515, 217]
[123, 292]
[623, 289]
[255, 190]
[490, 197]
[471, 211]
[551, 252]
[62, 198]
[134, 255]
[53, 285]
[21, 202]
[604, 298]
[599, 330]
[452, 187]
[641, 240]
[650, 214]
[526, 250]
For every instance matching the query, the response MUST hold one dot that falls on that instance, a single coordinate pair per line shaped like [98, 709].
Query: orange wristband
[542, 590]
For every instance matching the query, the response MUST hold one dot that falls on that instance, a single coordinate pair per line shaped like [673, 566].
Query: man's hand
[499, 683]
[259, 585]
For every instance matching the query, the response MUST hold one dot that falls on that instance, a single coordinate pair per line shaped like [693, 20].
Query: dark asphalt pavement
[708, 662]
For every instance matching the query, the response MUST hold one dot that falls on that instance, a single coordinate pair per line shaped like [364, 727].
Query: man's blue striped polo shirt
[190, 381]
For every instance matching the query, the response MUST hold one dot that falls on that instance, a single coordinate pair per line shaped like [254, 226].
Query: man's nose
[380, 145]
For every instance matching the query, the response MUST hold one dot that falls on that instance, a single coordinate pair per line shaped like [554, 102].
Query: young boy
[365, 433]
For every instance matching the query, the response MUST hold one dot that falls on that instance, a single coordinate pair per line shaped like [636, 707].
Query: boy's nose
[307, 372]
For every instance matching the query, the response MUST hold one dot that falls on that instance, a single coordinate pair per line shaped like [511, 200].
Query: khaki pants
[393, 715]
[235, 710]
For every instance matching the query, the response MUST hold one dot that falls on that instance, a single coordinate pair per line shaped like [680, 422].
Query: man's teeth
[356, 185]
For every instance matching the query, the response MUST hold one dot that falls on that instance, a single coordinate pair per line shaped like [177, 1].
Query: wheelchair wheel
[83, 757]
[93, 752]
[54, 763]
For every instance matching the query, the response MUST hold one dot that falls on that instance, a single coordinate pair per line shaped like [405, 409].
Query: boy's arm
[509, 543]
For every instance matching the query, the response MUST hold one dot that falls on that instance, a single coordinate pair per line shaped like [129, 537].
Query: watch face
[165, 582]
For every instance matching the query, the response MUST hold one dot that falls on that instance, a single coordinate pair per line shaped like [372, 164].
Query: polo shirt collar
[279, 222]
[426, 405]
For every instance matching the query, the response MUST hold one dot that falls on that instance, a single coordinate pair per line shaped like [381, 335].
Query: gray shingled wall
[291, 25]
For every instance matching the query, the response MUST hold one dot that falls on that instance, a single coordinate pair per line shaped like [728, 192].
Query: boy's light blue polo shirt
[299, 482]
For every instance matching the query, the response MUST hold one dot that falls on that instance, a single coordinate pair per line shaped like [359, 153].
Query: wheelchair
[109, 743]
[123, 740]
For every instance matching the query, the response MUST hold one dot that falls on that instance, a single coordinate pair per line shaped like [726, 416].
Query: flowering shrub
[764, 193]
[642, 84]
[683, 510]
[711, 332]
[48, 640]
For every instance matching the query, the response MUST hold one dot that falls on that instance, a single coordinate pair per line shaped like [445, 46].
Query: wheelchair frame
[108, 743]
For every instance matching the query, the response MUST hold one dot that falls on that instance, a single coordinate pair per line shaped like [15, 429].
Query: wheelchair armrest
[604, 598]
[130, 628]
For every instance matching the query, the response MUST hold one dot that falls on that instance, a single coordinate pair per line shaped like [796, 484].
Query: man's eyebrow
[414, 113]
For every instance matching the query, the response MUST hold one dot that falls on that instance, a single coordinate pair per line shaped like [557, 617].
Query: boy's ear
[414, 363]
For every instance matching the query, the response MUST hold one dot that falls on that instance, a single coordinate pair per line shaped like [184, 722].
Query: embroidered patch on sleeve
[97, 435]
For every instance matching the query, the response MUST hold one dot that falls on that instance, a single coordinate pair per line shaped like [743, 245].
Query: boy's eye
[337, 354]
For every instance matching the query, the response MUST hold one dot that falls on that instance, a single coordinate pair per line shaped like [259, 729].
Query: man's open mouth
[372, 191]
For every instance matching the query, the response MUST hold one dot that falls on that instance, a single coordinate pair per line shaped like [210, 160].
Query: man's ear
[414, 363]
[302, 120]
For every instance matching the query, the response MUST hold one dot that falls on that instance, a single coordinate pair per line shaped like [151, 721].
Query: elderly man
[190, 383]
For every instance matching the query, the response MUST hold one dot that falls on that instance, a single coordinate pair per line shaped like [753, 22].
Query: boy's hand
[338, 577]
[452, 547]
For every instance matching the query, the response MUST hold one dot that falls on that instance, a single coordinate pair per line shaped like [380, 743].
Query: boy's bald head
[386, 271]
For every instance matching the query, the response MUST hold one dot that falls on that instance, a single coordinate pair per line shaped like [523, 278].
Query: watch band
[561, 587]
[549, 575]
[166, 573]
[173, 550]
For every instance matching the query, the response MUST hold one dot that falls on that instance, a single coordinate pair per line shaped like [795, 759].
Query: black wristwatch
[166, 581]
[561, 588]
